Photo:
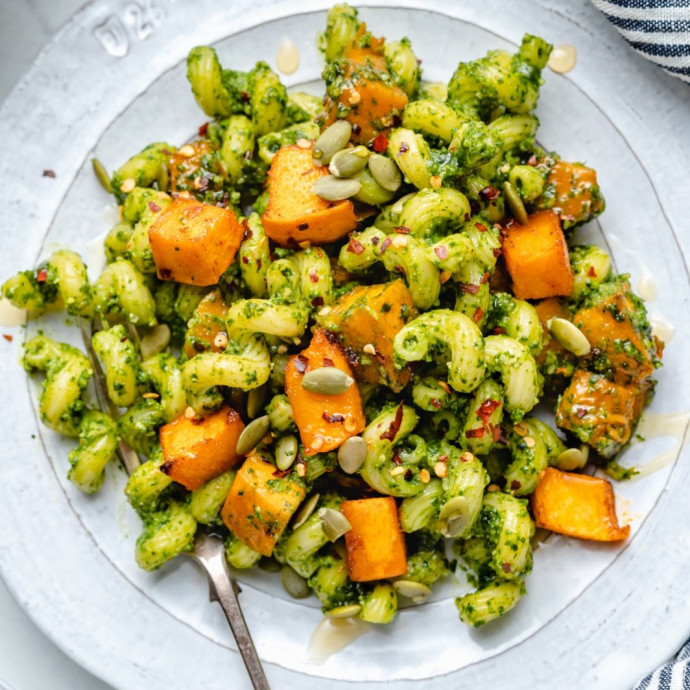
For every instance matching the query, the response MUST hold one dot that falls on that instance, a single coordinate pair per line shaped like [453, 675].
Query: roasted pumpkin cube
[616, 332]
[577, 505]
[573, 193]
[375, 544]
[294, 213]
[324, 421]
[371, 316]
[194, 242]
[198, 449]
[206, 323]
[536, 256]
[260, 504]
[598, 411]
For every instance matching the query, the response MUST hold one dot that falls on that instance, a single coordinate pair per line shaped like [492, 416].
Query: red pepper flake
[499, 330]
[481, 227]
[580, 412]
[402, 230]
[301, 363]
[380, 144]
[484, 278]
[354, 246]
[313, 276]
[506, 566]
[408, 475]
[469, 288]
[333, 418]
[497, 251]
[317, 302]
[7, 337]
[328, 362]
[401, 270]
[489, 193]
[258, 264]
[436, 403]
[203, 129]
[591, 272]
[356, 129]
[303, 226]
[166, 152]
[385, 244]
[478, 315]
[396, 456]
[443, 458]
[306, 172]
[394, 427]
[487, 408]
[282, 473]
[532, 160]
[475, 433]
[441, 252]
[245, 259]
[42, 276]
[154, 206]
[49, 173]
[245, 96]
[375, 241]
[404, 148]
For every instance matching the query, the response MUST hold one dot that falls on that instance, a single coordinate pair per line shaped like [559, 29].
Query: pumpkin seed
[346, 611]
[348, 162]
[385, 172]
[326, 381]
[255, 400]
[514, 201]
[371, 192]
[286, 452]
[415, 591]
[352, 453]
[155, 341]
[333, 523]
[569, 336]
[333, 139]
[252, 434]
[305, 510]
[454, 517]
[332, 188]
[101, 174]
[573, 458]
[163, 178]
[295, 585]
[397, 207]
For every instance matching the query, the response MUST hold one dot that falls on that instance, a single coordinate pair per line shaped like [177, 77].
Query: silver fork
[208, 551]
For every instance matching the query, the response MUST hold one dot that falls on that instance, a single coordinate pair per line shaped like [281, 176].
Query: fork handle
[224, 589]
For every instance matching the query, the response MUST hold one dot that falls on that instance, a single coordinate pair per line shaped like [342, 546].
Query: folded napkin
[675, 675]
[657, 29]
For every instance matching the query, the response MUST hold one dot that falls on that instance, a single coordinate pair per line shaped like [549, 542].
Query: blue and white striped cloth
[656, 29]
[675, 675]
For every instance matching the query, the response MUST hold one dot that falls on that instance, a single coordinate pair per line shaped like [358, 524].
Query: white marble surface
[28, 659]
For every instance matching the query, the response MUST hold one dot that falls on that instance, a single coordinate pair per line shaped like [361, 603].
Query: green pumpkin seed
[286, 452]
[348, 162]
[163, 177]
[295, 585]
[397, 207]
[347, 611]
[454, 517]
[332, 188]
[415, 591]
[569, 336]
[385, 172]
[255, 400]
[352, 454]
[155, 341]
[326, 381]
[333, 523]
[573, 458]
[101, 174]
[333, 139]
[514, 201]
[305, 510]
[372, 192]
[252, 434]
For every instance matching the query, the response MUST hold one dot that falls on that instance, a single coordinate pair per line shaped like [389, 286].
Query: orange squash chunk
[609, 327]
[576, 196]
[194, 242]
[578, 506]
[206, 323]
[324, 421]
[260, 504]
[294, 213]
[598, 411]
[536, 256]
[198, 449]
[373, 315]
[375, 544]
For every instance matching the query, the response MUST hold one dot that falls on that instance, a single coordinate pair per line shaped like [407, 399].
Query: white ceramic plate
[113, 81]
